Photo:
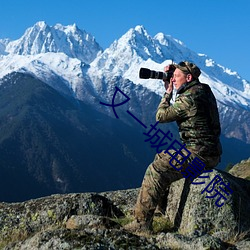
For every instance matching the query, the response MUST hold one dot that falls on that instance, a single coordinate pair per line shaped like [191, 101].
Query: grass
[123, 220]
[160, 223]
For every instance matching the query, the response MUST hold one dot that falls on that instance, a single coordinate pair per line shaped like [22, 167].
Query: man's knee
[161, 174]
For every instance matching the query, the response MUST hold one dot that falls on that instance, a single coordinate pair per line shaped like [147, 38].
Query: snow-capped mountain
[137, 49]
[58, 70]
[50, 54]
[67, 51]
[71, 61]
[41, 38]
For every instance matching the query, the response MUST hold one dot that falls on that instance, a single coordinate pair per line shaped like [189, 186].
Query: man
[195, 111]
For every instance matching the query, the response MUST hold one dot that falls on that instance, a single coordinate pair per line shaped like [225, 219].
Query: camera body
[146, 73]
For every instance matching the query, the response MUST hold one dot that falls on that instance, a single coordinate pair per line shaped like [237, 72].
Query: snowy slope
[45, 67]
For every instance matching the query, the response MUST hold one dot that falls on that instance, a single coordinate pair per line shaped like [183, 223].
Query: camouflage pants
[158, 177]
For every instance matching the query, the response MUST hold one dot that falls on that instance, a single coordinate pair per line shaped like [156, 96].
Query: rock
[124, 199]
[178, 241]
[91, 221]
[194, 214]
[20, 220]
[241, 169]
[63, 239]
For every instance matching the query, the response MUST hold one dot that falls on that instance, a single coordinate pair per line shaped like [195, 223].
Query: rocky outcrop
[71, 221]
[94, 221]
[194, 214]
[241, 169]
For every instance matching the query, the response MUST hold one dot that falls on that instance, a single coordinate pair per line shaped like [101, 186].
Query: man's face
[179, 78]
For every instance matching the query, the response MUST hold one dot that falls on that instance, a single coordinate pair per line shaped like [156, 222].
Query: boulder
[21, 220]
[241, 169]
[193, 214]
[90, 221]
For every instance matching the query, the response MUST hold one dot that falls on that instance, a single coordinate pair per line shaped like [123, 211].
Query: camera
[145, 73]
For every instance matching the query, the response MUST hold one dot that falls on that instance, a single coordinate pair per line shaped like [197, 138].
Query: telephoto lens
[145, 73]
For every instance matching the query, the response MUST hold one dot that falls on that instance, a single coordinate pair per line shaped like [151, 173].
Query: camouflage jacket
[196, 113]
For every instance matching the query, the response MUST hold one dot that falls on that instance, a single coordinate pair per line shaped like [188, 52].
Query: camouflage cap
[189, 68]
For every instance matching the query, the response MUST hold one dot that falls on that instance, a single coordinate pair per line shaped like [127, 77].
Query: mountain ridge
[134, 49]
[42, 38]
[50, 142]
[146, 51]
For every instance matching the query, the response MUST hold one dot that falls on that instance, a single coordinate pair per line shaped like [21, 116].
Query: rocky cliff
[95, 220]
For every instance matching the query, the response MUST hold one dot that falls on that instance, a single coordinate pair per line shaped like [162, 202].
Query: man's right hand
[168, 85]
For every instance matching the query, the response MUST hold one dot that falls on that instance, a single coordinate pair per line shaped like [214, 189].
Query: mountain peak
[141, 29]
[69, 28]
[138, 31]
[166, 39]
[42, 38]
[41, 24]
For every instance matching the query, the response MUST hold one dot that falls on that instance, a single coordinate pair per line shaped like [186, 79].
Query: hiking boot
[137, 226]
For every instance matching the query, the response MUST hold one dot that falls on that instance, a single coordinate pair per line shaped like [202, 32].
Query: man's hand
[168, 85]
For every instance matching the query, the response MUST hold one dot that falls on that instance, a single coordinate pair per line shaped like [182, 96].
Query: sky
[217, 28]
